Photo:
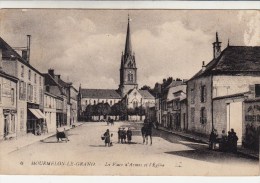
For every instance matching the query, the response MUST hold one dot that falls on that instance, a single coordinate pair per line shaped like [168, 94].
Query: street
[85, 154]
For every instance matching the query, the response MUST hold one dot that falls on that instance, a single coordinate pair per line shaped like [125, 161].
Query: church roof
[234, 60]
[128, 45]
[100, 93]
[146, 94]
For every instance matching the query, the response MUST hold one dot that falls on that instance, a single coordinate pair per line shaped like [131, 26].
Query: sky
[85, 46]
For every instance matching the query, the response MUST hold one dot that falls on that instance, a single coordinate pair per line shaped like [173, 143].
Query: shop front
[35, 119]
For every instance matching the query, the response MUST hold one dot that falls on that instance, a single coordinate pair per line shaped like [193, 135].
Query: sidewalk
[246, 152]
[9, 146]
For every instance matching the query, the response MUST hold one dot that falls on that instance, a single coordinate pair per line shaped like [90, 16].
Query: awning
[37, 113]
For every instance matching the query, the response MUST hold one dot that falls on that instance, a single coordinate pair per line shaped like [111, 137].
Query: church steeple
[128, 45]
[128, 69]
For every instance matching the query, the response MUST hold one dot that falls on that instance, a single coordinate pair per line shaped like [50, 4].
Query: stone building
[50, 102]
[29, 90]
[213, 93]
[8, 105]
[53, 87]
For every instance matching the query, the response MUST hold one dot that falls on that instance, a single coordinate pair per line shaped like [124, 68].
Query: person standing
[119, 134]
[123, 136]
[232, 139]
[107, 138]
[129, 135]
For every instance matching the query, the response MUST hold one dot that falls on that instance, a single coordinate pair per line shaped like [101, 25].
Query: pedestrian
[111, 139]
[143, 133]
[129, 135]
[66, 134]
[123, 136]
[107, 138]
[223, 141]
[39, 129]
[213, 139]
[119, 133]
[232, 139]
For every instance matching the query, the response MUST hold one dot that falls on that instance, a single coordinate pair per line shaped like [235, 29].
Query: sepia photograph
[129, 92]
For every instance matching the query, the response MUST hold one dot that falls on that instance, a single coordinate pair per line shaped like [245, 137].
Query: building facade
[50, 102]
[8, 106]
[30, 90]
[215, 95]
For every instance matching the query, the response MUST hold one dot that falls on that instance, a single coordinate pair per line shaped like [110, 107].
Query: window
[257, 90]
[12, 96]
[22, 71]
[29, 75]
[192, 114]
[110, 102]
[86, 102]
[203, 93]
[94, 102]
[130, 77]
[203, 115]
[35, 79]
[192, 94]
[40, 80]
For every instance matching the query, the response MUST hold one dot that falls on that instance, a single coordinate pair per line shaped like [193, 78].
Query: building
[8, 105]
[50, 110]
[73, 101]
[127, 93]
[176, 107]
[30, 90]
[53, 87]
[215, 95]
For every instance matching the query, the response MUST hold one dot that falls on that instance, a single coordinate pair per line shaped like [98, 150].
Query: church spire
[128, 45]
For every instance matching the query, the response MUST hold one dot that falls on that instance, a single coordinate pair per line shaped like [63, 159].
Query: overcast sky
[85, 46]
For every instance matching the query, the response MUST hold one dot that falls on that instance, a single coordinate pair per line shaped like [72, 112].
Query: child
[111, 140]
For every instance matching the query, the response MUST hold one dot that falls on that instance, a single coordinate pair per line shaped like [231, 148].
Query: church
[127, 94]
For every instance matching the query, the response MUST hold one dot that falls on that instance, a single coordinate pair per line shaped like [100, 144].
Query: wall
[97, 100]
[197, 126]
[228, 85]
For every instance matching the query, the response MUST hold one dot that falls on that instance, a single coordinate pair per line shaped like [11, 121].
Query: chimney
[216, 47]
[28, 48]
[203, 66]
[51, 72]
[24, 55]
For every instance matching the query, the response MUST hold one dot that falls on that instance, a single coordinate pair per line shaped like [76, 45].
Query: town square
[129, 92]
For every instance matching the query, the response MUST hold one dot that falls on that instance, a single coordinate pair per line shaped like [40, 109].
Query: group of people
[124, 134]
[226, 142]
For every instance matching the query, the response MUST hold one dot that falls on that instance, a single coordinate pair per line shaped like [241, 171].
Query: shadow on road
[97, 146]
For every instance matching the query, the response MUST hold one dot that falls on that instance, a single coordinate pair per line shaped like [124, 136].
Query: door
[234, 119]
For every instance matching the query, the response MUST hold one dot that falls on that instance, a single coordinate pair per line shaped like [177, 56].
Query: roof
[9, 53]
[100, 93]
[146, 94]
[49, 80]
[234, 60]
[7, 76]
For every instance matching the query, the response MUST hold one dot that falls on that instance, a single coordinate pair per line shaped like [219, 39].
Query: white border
[133, 4]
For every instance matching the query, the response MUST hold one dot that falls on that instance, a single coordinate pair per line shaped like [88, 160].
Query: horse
[147, 131]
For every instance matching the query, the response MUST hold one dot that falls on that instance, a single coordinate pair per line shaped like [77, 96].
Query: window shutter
[205, 93]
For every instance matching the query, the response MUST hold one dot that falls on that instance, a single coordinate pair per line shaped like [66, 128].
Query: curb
[40, 140]
[203, 141]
